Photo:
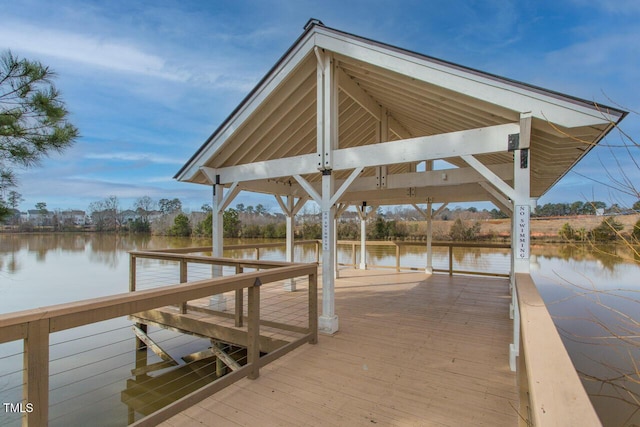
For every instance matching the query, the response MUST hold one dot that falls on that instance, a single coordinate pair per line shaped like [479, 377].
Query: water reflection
[594, 299]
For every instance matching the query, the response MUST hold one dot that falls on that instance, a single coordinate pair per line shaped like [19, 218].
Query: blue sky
[147, 82]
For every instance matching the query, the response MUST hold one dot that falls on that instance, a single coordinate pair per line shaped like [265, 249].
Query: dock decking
[412, 350]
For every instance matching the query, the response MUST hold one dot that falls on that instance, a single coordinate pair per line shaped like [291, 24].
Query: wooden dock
[412, 350]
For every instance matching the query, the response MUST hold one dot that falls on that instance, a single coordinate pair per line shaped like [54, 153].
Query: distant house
[125, 217]
[73, 217]
[153, 215]
[40, 217]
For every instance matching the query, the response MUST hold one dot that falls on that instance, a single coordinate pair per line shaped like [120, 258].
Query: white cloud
[135, 157]
[86, 49]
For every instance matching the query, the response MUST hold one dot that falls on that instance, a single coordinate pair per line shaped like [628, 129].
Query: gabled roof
[421, 95]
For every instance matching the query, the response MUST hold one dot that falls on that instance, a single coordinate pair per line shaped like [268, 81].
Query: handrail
[34, 326]
[450, 245]
[551, 391]
[356, 243]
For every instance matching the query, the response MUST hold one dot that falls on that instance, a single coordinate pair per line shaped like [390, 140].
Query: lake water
[593, 296]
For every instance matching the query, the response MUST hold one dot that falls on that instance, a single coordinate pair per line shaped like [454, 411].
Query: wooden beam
[229, 196]
[493, 179]
[228, 360]
[208, 329]
[309, 189]
[284, 208]
[287, 166]
[438, 178]
[497, 198]
[36, 373]
[142, 336]
[345, 185]
[487, 140]
[362, 98]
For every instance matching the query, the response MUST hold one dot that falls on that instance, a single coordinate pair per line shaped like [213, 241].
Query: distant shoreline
[543, 229]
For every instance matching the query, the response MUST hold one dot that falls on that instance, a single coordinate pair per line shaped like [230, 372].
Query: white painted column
[429, 215]
[217, 302]
[428, 166]
[327, 142]
[336, 271]
[328, 321]
[363, 236]
[520, 240]
[290, 284]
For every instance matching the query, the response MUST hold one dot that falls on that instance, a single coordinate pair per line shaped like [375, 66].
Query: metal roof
[421, 96]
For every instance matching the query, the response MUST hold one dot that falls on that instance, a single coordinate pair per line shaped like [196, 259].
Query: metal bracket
[381, 177]
[524, 158]
[257, 283]
[514, 142]
[411, 192]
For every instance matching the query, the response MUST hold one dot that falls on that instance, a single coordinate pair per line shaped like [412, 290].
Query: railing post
[132, 272]
[183, 279]
[397, 257]
[239, 300]
[450, 260]
[35, 391]
[253, 330]
[257, 254]
[313, 308]
[317, 252]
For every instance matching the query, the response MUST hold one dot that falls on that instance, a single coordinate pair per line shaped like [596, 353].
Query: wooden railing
[398, 245]
[551, 393]
[34, 327]
[248, 246]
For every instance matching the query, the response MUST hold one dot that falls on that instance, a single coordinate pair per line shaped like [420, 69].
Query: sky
[147, 82]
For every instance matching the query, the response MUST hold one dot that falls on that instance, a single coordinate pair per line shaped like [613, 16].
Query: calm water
[592, 296]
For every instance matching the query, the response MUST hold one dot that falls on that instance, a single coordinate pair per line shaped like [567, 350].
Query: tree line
[166, 216]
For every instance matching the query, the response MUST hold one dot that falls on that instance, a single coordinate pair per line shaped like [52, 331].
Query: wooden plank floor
[412, 350]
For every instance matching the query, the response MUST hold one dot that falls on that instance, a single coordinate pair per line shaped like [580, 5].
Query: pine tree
[33, 118]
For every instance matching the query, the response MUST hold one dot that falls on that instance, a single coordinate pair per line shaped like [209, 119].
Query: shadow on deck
[412, 350]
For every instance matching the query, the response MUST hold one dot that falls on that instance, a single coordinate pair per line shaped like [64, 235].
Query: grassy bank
[542, 229]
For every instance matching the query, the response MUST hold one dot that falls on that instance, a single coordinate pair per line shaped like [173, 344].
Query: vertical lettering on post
[523, 214]
[325, 230]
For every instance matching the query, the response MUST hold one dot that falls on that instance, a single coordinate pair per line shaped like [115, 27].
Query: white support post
[336, 270]
[428, 215]
[328, 321]
[290, 284]
[327, 143]
[217, 302]
[428, 166]
[520, 240]
[429, 269]
[290, 208]
[364, 216]
[363, 235]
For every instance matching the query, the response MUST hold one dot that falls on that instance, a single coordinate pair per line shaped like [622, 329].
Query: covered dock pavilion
[347, 121]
